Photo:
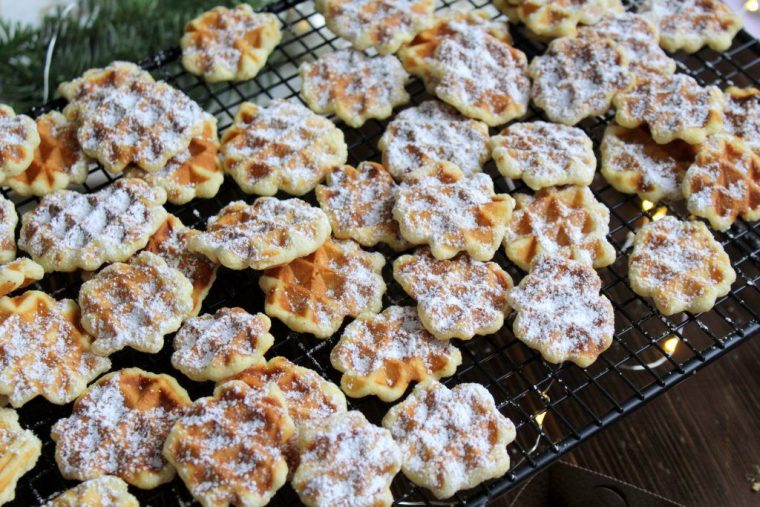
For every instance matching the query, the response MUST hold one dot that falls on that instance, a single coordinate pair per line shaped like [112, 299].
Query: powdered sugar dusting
[691, 23]
[18, 139]
[741, 115]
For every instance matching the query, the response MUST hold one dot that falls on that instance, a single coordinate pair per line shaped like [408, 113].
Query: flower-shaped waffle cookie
[69, 231]
[18, 140]
[723, 183]
[20, 451]
[170, 243]
[346, 460]
[560, 312]
[45, 351]
[450, 439]
[283, 146]
[8, 222]
[381, 24]
[634, 164]
[94, 82]
[213, 347]
[674, 107]
[118, 427]
[359, 203]
[741, 115]
[135, 304]
[568, 222]
[578, 77]
[228, 448]
[439, 206]
[382, 354]
[544, 154]
[690, 24]
[313, 294]
[456, 298]
[267, 233]
[354, 86]
[18, 274]
[229, 44]
[105, 491]
[430, 133]
[560, 18]
[679, 265]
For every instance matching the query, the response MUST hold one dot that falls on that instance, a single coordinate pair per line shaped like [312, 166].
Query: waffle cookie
[283, 146]
[45, 351]
[569, 222]
[354, 86]
[439, 206]
[679, 265]
[689, 25]
[213, 347]
[18, 140]
[673, 107]
[105, 491]
[267, 233]
[313, 294]
[359, 203]
[20, 451]
[95, 82]
[456, 298]
[723, 183]
[382, 354]
[229, 44]
[558, 18]
[741, 115]
[228, 448]
[118, 427]
[430, 133]
[18, 274]
[578, 77]
[544, 154]
[8, 222]
[135, 304]
[450, 439]
[381, 24]
[346, 460]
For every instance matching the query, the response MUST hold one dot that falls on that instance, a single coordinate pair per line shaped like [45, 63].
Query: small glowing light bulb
[670, 345]
[752, 5]
[646, 205]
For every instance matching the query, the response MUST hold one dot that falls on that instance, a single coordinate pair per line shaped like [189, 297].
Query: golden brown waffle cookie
[559, 18]
[560, 312]
[45, 351]
[69, 231]
[105, 491]
[741, 115]
[95, 81]
[544, 154]
[118, 427]
[439, 206]
[228, 448]
[456, 298]
[690, 24]
[430, 133]
[723, 183]
[359, 203]
[229, 44]
[354, 86]
[578, 77]
[569, 222]
[18, 140]
[135, 304]
[283, 146]
[674, 107]
[346, 460]
[680, 266]
[213, 347]
[634, 164]
[450, 439]
[382, 354]
[20, 451]
[8, 222]
[381, 24]
[18, 274]
[267, 233]
[170, 243]
[313, 294]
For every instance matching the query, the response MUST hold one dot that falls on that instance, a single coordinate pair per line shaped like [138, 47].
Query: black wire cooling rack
[554, 408]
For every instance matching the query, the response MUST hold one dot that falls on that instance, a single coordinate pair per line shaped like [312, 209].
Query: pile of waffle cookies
[426, 204]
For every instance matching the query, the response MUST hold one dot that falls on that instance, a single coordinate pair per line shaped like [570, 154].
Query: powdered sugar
[558, 18]
[18, 140]
[8, 221]
[741, 115]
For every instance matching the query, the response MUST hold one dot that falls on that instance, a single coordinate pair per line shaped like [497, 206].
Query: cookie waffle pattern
[135, 304]
[456, 298]
[95, 82]
[20, 451]
[544, 154]
[45, 350]
[450, 439]
[560, 18]
[283, 146]
[18, 140]
[118, 427]
[18, 274]
[106, 491]
[382, 354]
[8, 222]
[741, 115]
[679, 265]
[313, 294]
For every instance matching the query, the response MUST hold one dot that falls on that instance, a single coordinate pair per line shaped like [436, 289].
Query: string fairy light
[752, 5]
[669, 346]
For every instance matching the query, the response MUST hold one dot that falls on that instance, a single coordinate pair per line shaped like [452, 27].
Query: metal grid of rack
[553, 407]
